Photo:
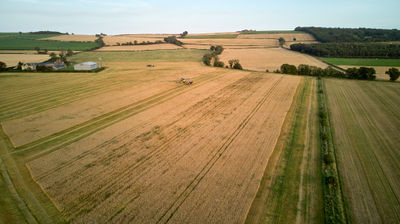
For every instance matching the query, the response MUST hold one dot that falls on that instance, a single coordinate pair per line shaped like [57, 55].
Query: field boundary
[331, 184]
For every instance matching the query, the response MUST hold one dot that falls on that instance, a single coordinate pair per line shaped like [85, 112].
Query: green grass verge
[334, 211]
[26, 41]
[278, 195]
[272, 32]
[141, 56]
[363, 61]
[216, 36]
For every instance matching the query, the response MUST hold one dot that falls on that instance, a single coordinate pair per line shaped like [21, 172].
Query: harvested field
[13, 59]
[287, 36]
[366, 141]
[271, 59]
[233, 42]
[101, 135]
[289, 191]
[202, 137]
[140, 47]
[380, 71]
[80, 38]
[114, 39]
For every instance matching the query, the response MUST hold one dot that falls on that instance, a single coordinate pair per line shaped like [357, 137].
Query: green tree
[207, 59]
[394, 74]
[288, 69]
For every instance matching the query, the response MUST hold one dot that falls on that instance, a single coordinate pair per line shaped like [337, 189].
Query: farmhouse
[86, 66]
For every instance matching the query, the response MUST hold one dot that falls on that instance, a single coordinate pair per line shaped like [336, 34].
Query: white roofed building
[86, 66]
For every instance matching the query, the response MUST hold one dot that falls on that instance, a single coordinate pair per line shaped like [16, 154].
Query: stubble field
[130, 144]
[367, 146]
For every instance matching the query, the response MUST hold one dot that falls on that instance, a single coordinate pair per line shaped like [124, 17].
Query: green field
[271, 32]
[217, 36]
[363, 61]
[163, 55]
[26, 41]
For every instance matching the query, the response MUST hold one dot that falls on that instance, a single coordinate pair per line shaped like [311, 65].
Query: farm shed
[86, 66]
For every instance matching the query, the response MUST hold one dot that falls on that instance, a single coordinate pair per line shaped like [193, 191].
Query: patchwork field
[13, 59]
[366, 141]
[271, 59]
[131, 144]
[114, 39]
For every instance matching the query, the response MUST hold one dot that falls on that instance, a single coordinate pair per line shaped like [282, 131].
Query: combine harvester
[186, 81]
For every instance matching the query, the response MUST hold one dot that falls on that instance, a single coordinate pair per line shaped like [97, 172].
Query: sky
[202, 16]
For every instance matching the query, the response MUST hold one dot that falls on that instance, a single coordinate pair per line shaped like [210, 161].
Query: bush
[394, 74]
[237, 65]
[42, 68]
[330, 180]
[219, 64]
[173, 40]
[328, 159]
[207, 59]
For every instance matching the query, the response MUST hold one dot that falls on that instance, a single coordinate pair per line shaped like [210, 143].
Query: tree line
[326, 35]
[351, 50]
[362, 73]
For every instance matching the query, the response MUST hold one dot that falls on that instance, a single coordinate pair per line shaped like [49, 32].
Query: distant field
[271, 32]
[163, 46]
[366, 126]
[269, 58]
[13, 59]
[149, 56]
[363, 61]
[216, 36]
[25, 41]
[79, 38]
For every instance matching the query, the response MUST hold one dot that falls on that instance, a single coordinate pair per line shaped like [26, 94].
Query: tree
[207, 59]
[288, 69]
[53, 56]
[237, 65]
[217, 62]
[232, 62]
[3, 66]
[70, 52]
[173, 40]
[281, 41]
[218, 50]
[394, 74]
[184, 34]
[19, 66]
[37, 49]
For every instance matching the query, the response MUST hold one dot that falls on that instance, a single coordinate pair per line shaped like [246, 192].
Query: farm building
[86, 66]
[32, 66]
